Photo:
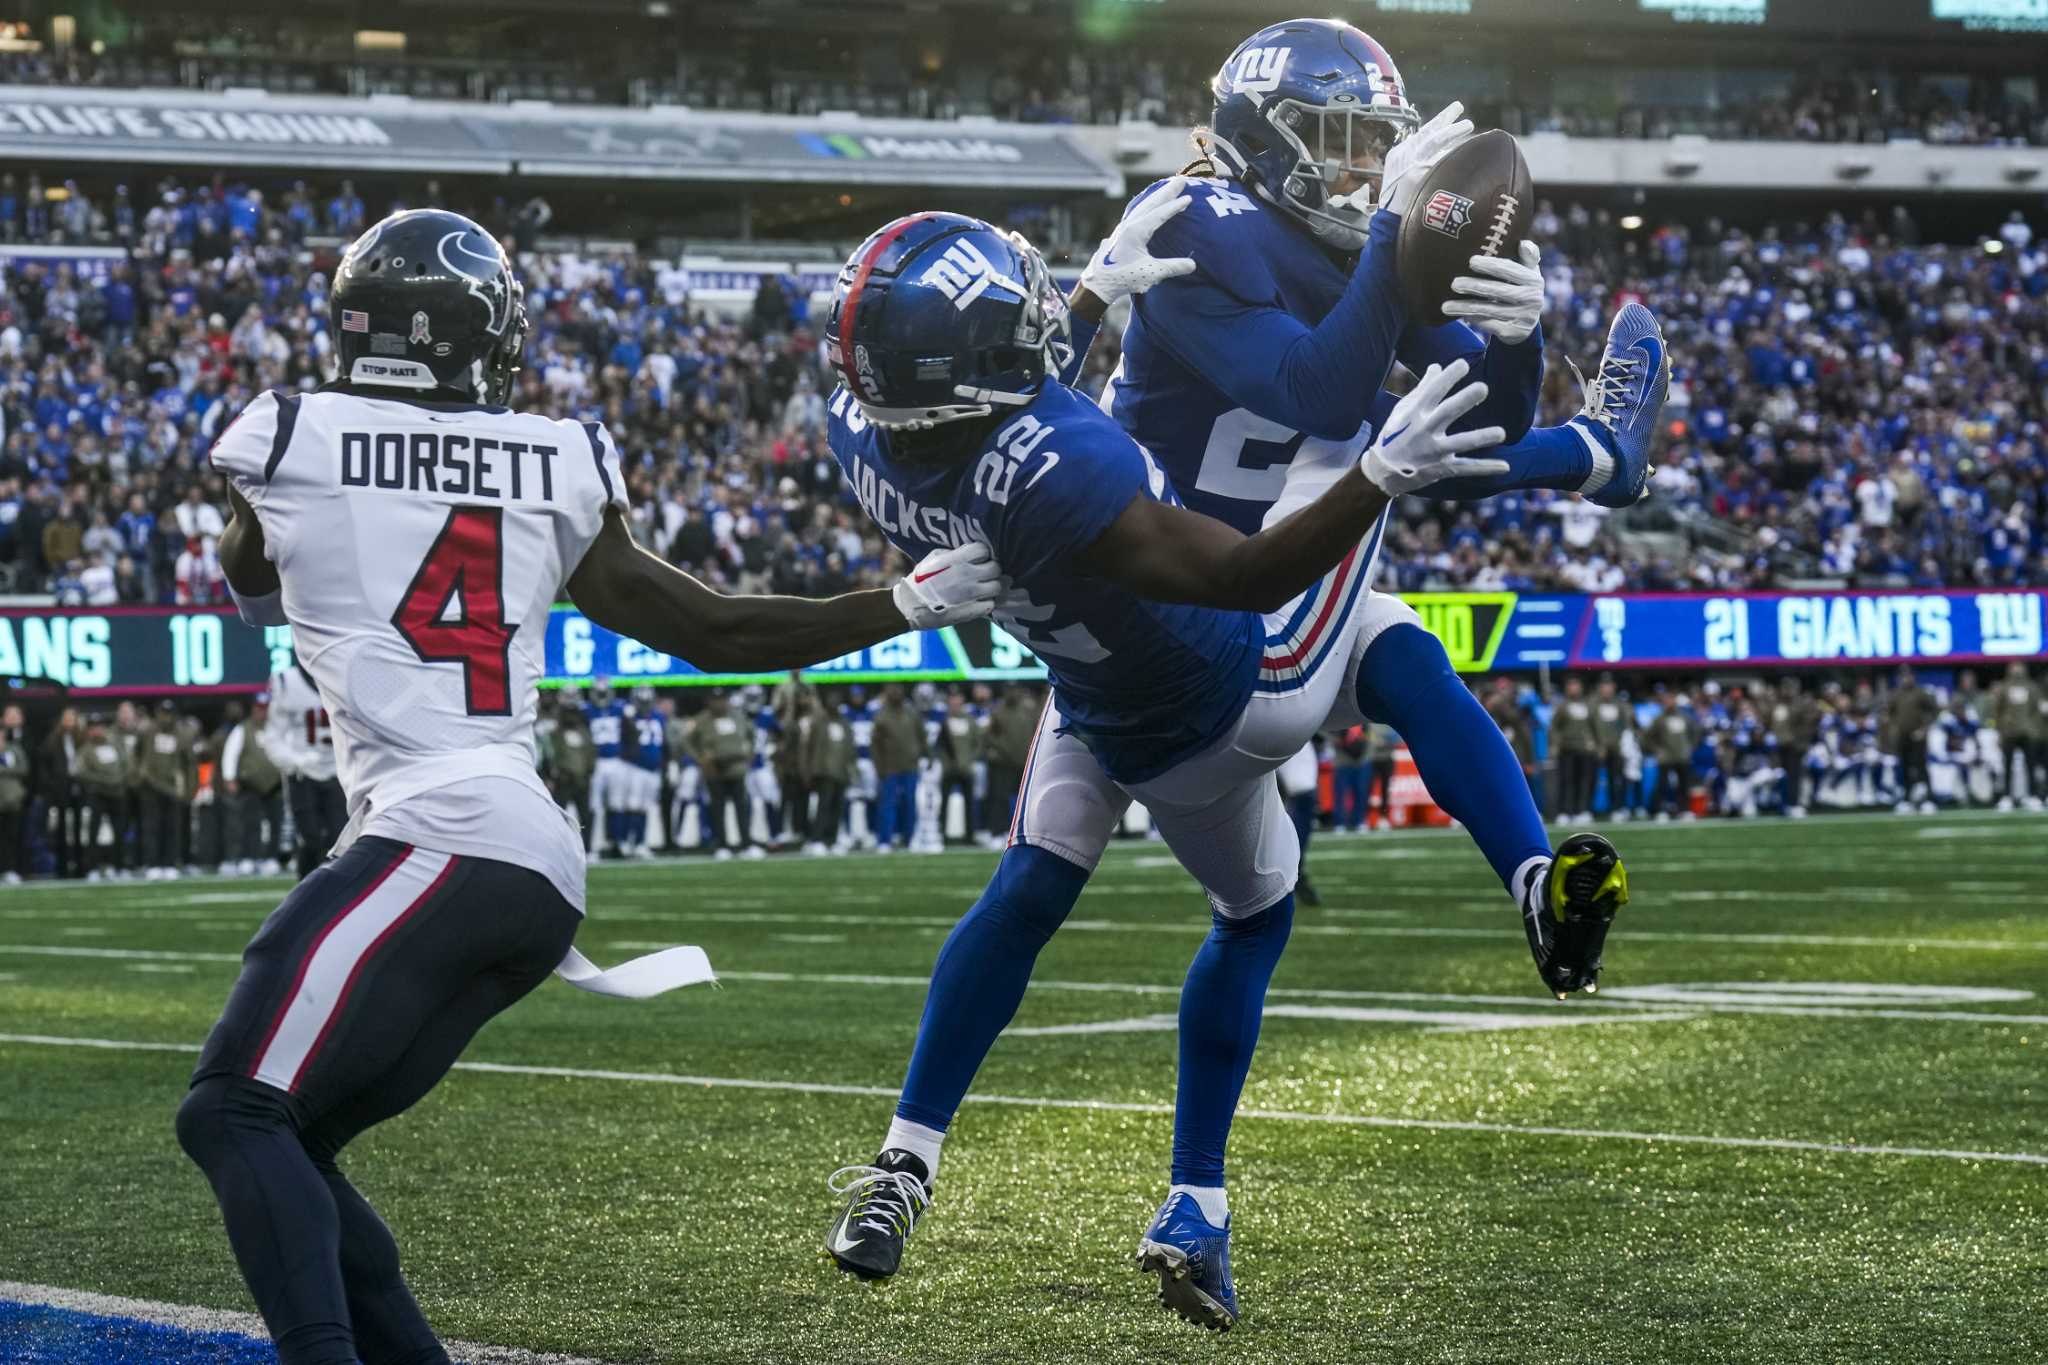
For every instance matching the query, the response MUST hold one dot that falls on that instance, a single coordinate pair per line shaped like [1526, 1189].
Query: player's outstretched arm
[1170, 554]
[1320, 379]
[623, 588]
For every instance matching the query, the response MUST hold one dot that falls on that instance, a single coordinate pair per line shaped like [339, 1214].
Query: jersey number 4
[465, 568]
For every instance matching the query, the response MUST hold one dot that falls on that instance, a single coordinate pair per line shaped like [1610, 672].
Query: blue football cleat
[1191, 1257]
[1624, 401]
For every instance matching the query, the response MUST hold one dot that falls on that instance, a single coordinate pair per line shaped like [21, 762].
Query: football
[1476, 201]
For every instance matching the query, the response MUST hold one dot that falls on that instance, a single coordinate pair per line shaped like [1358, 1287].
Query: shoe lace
[1613, 384]
[883, 1201]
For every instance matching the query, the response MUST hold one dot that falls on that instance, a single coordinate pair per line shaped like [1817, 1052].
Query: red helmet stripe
[883, 241]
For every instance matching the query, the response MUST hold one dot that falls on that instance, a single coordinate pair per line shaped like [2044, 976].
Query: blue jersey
[1275, 350]
[607, 721]
[650, 750]
[1144, 684]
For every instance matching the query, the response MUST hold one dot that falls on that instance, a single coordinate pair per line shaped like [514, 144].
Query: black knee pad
[218, 1110]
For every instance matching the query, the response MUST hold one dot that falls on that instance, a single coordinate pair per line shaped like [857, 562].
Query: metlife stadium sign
[250, 128]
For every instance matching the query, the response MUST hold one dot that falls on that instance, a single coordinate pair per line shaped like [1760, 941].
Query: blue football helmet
[939, 317]
[1306, 112]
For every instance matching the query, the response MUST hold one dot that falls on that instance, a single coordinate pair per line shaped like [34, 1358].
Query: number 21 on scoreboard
[1727, 628]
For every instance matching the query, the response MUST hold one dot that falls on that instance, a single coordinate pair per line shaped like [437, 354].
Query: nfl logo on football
[1447, 213]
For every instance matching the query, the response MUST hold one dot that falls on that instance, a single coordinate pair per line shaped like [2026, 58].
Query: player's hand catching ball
[1415, 447]
[1124, 264]
[948, 587]
[1409, 160]
[1502, 298]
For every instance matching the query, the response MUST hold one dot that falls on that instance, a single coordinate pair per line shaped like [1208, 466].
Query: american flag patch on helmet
[353, 321]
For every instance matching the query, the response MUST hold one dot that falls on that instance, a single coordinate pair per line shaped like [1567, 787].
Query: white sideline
[1149, 988]
[195, 1319]
[1147, 1107]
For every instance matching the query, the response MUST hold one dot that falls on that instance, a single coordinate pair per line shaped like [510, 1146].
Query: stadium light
[1992, 246]
[1632, 222]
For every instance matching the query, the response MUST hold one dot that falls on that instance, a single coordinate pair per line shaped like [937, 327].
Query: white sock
[1529, 878]
[1210, 1199]
[920, 1141]
[1603, 463]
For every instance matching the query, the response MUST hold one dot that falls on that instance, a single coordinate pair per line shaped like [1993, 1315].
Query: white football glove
[948, 587]
[1414, 450]
[1124, 264]
[1502, 298]
[1409, 161]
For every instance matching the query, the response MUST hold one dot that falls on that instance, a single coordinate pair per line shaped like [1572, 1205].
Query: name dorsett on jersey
[460, 464]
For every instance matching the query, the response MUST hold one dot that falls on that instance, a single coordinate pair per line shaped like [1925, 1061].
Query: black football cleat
[883, 1203]
[1567, 908]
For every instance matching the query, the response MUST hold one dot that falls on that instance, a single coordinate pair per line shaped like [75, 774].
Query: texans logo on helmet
[1446, 212]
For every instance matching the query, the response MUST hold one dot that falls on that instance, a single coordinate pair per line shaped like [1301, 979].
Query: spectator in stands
[198, 574]
[102, 773]
[897, 743]
[16, 783]
[253, 787]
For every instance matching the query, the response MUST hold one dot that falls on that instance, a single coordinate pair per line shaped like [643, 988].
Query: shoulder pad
[1227, 230]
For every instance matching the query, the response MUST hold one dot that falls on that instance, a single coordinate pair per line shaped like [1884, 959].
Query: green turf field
[1442, 1165]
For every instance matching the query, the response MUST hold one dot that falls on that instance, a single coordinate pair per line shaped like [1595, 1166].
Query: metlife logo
[880, 147]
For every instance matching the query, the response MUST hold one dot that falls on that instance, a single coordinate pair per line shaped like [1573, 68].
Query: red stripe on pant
[306, 959]
[341, 999]
[1340, 586]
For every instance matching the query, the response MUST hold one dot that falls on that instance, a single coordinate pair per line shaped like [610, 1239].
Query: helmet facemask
[1340, 159]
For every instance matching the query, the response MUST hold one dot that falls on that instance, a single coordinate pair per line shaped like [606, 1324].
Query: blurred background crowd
[1848, 403]
[1857, 400]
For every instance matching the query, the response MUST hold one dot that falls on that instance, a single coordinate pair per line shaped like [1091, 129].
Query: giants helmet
[939, 317]
[1304, 107]
[426, 299]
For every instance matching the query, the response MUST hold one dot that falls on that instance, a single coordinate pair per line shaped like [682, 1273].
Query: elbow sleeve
[267, 610]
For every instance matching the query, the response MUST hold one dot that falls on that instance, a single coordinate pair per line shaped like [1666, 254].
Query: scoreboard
[198, 651]
[141, 651]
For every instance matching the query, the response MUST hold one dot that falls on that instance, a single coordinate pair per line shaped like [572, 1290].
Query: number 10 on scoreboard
[197, 659]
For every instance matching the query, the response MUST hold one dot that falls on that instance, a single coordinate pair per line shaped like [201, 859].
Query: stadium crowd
[1073, 82]
[1847, 401]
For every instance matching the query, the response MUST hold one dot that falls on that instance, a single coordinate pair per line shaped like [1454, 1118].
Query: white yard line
[1152, 988]
[194, 1319]
[1605, 1003]
[1143, 1107]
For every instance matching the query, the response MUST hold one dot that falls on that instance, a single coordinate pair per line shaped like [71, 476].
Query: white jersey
[298, 733]
[421, 546]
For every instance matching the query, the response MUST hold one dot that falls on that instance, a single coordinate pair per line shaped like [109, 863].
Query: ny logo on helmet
[1257, 71]
[420, 335]
[963, 275]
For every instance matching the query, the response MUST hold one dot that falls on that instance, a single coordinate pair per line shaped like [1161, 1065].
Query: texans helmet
[426, 299]
[939, 317]
[1306, 112]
